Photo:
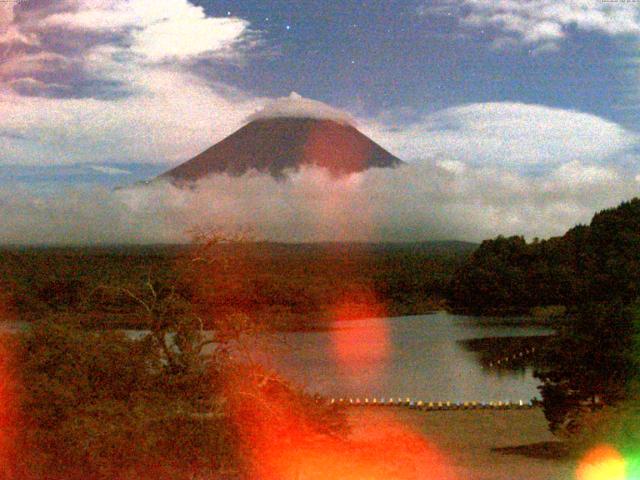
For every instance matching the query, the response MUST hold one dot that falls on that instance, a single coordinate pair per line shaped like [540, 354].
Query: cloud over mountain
[296, 106]
[425, 201]
[114, 82]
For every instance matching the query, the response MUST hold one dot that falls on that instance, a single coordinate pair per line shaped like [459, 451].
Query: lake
[420, 357]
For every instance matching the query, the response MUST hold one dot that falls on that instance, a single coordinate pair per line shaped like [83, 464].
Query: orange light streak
[283, 443]
[361, 353]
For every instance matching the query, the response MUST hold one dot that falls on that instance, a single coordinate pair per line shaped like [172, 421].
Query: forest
[285, 286]
[590, 277]
[599, 262]
[64, 381]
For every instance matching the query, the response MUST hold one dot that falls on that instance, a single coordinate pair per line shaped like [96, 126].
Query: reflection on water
[424, 360]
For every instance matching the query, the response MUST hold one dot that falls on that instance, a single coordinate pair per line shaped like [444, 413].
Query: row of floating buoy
[421, 405]
[515, 356]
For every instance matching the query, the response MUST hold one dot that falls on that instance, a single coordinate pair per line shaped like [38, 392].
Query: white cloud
[510, 135]
[183, 38]
[110, 170]
[161, 124]
[298, 107]
[159, 112]
[414, 202]
[13, 36]
[575, 173]
[6, 15]
[10, 34]
[541, 23]
[453, 166]
[159, 31]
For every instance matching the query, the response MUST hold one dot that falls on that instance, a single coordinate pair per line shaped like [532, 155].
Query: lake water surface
[418, 357]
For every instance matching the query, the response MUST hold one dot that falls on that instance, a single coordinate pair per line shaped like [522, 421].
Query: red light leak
[284, 444]
[337, 149]
[8, 409]
[388, 452]
[341, 153]
[361, 353]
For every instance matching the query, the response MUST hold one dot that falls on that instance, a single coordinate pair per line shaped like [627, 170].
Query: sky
[515, 116]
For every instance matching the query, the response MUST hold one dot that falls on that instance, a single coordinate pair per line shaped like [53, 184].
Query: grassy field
[479, 445]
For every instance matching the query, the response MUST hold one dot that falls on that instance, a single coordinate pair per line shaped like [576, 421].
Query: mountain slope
[279, 144]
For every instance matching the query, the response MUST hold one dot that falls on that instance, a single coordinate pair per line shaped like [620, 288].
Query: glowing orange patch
[381, 449]
[338, 149]
[602, 463]
[361, 350]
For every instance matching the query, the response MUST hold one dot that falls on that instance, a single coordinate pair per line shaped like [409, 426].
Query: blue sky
[388, 63]
[518, 116]
[397, 54]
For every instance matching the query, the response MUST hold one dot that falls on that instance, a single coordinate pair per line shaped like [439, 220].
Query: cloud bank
[426, 201]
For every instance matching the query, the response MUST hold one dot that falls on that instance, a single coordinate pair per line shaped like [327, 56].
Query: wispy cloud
[110, 170]
[541, 25]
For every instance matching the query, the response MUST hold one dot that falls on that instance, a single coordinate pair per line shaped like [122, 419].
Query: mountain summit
[288, 134]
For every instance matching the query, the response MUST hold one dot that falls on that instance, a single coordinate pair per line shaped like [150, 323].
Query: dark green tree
[595, 263]
[102, 405]
[588, 366]
[493, 280]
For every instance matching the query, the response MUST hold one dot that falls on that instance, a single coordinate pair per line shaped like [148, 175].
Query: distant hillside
[598, 263]
[291, 286]
[276, 145]
[438, 247]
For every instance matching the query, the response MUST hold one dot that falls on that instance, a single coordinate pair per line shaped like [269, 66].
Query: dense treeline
[588, 368]
[283, 285]
[595, 263]
[591, 368]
